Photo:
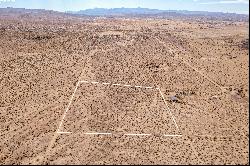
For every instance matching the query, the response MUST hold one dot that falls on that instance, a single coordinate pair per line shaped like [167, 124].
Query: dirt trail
[86, 74]
[185, 61]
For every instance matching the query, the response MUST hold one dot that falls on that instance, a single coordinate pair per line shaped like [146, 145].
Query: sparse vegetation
[200, 65]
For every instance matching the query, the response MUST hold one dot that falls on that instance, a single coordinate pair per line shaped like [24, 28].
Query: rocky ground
[184, 84]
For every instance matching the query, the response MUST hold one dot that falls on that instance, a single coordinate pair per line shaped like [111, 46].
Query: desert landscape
[122, 90]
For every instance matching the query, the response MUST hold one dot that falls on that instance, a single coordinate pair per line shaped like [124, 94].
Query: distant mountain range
[127, 13]
[145, 12]
[140, 11]
[117, 11]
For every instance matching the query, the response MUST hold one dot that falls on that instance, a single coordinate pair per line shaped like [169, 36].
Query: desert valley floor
[123, 91]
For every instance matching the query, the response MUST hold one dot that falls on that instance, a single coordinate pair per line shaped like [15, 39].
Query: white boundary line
[149, 87]
[93, 82]
[116, 84]
[83, 81]
[165, 135]
[168, 109]
[58, 130]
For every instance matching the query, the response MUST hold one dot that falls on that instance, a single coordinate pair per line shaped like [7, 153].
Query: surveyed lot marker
[124, 85]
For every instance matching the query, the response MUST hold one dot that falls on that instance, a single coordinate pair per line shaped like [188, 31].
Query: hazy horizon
[225, 6]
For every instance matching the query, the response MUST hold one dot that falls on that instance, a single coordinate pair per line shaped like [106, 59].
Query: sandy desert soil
[199, 68]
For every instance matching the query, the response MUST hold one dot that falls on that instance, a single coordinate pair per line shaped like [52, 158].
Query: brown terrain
[78, 90]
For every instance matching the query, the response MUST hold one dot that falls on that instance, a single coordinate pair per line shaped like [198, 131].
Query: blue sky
[234, 6]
